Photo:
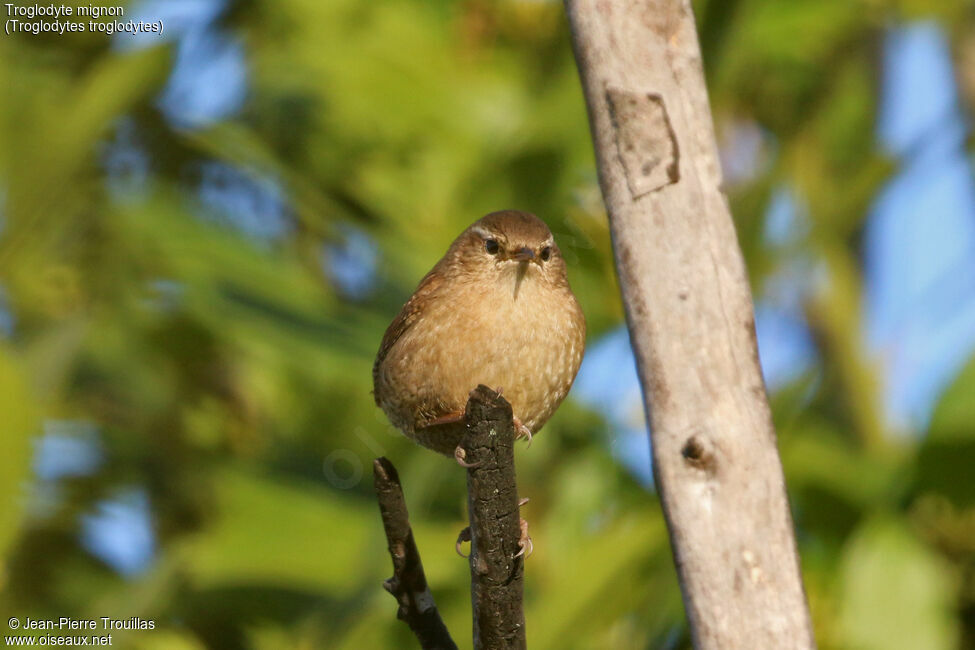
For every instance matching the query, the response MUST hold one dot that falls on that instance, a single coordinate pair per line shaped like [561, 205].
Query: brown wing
[408, 315]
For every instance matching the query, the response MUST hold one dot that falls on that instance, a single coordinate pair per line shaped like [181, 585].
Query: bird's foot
[460, 455]
[464, 536]
[521, 431]
[525, 541]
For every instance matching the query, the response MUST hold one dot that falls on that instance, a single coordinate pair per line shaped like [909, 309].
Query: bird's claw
[521, 431]
[525, 541]
[460, 455]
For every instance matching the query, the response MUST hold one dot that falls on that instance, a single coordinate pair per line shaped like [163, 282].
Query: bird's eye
[546, 253]
[491, 246]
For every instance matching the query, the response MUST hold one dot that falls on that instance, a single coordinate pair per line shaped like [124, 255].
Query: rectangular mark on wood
[645, 139]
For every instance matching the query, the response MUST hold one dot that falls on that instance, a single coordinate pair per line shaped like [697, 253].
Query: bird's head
[509, 247]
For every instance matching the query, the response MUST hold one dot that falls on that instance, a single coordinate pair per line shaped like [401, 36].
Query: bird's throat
[520, 274]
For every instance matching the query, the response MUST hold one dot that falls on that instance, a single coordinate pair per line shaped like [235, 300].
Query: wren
[496, 310]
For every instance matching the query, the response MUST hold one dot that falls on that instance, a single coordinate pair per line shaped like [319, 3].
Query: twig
[497, 576]
[408, 584]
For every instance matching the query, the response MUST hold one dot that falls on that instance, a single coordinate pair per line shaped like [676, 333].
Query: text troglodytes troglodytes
[496, 310]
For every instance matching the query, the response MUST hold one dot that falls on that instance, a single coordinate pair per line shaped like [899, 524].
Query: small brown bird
[497, 310]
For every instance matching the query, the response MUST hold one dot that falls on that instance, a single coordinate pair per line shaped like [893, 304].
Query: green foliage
[228, 375]
[20, 415]
[906, 608]
[946, 454]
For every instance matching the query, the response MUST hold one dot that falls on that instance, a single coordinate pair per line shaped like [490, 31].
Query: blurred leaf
[634, 564]
[19, 424]
[51, 150]
[274, 532]
[896, 593]
[947, 454]
[836, 483]
[954, 416]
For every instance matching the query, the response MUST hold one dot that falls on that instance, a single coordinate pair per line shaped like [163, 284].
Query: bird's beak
[523, 254]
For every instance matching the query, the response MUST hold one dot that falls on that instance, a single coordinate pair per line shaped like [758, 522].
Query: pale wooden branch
[408, 584]
[689, 312]
[497, 576]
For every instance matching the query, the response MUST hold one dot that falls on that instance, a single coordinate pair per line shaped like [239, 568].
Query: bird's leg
[464, 536]
[449, 418]
[525, 541]
[452, 418]
[521, 431]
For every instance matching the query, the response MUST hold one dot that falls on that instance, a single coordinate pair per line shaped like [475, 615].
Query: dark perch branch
[408, 584]
[497, 576]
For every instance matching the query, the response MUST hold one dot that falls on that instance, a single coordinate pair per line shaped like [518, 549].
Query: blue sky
[919, 252]
[920, 237]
